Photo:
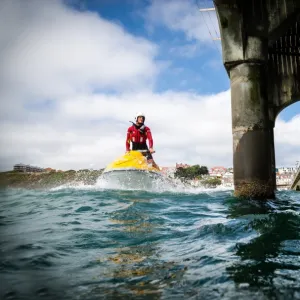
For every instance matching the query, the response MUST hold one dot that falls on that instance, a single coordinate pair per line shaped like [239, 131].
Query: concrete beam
[284, 71]
[278, 15]
[281, 15]
[231, 30]
[283, 91]
[244, 30]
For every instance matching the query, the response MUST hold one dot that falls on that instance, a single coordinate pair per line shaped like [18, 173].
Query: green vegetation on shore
[48, 180]
[197, 172]
[193, 172]
[211, 182]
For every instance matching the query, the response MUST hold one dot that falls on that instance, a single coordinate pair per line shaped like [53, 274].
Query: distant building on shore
[227, 178]
[286, 170]
[27, 168]
[169, 171]
[217, 171]
[49, 170]
[182, 166]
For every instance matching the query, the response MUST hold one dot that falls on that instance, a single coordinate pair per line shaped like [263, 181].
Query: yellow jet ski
[131, 170]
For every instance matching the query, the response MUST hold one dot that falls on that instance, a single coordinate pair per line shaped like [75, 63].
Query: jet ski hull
[132, 178]
[132, 171]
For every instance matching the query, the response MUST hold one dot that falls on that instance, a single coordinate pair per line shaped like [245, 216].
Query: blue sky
[291, 111]
[201, 71]
[74, 73]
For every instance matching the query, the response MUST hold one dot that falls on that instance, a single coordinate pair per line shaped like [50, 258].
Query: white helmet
[139, 114]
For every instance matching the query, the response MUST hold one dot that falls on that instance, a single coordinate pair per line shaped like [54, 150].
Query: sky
[74, 73]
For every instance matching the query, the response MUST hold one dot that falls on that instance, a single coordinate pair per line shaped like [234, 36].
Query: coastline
[34, 180]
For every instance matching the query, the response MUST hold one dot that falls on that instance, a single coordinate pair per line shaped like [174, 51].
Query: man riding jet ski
[136, 168]
[138, 134]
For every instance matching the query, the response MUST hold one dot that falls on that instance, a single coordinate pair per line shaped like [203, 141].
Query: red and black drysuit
[138, 136]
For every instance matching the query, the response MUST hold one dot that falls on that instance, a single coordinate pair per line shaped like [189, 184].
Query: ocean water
[99, 242]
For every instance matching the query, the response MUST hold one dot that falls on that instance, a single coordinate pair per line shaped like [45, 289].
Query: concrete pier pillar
[252, 136]
[263, 64]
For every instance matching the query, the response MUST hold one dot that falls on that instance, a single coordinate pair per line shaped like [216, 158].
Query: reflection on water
[137, 268]
[112, 244]
[270, 261]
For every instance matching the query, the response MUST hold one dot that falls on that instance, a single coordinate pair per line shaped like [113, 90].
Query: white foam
[160, 185]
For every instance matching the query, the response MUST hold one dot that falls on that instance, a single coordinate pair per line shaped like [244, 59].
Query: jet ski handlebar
[144, 151]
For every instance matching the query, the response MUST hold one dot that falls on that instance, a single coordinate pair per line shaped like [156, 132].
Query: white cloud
[50, 53]
[51, 50]
[286, 135]
[185, 17]
[51, 60]
[91, 129]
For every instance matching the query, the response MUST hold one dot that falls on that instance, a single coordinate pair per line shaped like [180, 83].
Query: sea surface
[95, 242]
